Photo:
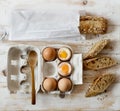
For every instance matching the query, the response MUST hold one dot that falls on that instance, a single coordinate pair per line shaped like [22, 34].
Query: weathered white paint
[110, 100]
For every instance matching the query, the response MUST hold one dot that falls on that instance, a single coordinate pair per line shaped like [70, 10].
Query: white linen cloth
[60, 23]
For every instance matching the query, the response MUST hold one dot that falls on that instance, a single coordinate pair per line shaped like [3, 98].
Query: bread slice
[92, 25]
[100, 84]
[99, 63]
[96, 48]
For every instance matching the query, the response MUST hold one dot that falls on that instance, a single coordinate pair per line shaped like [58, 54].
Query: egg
[64, 69]
[64, 84]
[49, 54]
[49, 84]
[64, 53]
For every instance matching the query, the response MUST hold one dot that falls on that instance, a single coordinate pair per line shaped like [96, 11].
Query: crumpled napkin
[59, 24]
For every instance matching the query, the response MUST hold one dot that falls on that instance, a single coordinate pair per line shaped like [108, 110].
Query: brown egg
[49, 54]
[64, 69]
[64, 84]
[49, 84]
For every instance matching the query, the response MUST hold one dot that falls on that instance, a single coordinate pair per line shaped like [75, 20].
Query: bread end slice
[92, 25]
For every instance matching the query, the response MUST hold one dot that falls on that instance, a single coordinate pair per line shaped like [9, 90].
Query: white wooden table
[109, 100]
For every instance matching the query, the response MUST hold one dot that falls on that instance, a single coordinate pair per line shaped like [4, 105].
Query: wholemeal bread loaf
[100, 84]
[96, 48]
[99, 63]
[92, 25]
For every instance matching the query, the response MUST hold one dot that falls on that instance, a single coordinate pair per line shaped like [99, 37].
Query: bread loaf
[96, 48]
[99, 63]
[100, 84]
[92, 25]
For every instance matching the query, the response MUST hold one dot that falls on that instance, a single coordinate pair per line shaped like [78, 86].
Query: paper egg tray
[19, 72]
[50, 69]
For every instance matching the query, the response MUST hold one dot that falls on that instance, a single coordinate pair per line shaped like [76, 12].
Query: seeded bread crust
[92, 25]
[98, 63]
[100, 84]
[96, 48]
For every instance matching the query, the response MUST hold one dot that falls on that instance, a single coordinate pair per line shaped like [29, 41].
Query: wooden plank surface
[109, 100]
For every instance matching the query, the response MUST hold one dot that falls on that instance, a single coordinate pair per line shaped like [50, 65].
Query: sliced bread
[99, 63]
[100, 84]
[96, 48]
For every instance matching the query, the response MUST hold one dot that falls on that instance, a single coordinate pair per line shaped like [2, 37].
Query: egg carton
[50, 69]
[19, 72]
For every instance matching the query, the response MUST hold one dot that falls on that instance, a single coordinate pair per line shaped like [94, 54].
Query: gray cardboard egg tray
[19, 72]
